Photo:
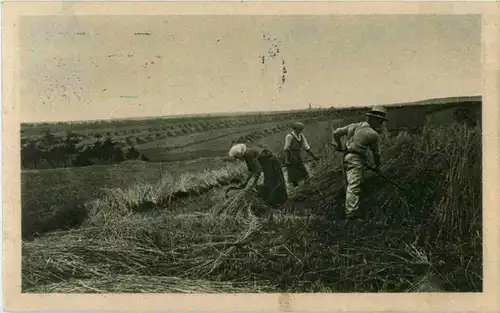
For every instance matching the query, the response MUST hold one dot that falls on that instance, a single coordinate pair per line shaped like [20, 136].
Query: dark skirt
[297, 171]
[273, 191]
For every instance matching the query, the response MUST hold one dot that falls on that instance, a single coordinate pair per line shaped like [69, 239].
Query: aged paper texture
[129, 129]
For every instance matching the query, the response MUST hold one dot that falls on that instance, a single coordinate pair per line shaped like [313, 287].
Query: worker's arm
[337, 136]
[375, 148]
[254, 170]
[308, 148]
[286, 148]
[256, 177]
[247, 179]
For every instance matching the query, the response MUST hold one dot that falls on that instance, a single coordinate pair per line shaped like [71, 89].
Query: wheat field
[179, 234]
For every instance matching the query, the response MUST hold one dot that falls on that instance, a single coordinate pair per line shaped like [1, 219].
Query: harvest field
[150, 226]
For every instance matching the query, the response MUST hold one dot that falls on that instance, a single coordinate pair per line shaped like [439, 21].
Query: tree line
[52, 151]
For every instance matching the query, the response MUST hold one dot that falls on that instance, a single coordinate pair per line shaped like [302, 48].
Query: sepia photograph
[250, 154]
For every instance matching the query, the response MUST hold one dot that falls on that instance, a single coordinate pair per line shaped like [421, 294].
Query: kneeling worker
[261, 160]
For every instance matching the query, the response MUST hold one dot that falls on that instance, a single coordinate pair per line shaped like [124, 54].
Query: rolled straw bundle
[244, 203]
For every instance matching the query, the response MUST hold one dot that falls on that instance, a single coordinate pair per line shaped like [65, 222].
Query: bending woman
[262, 161]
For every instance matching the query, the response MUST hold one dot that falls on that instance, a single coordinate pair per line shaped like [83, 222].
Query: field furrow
[167, 227]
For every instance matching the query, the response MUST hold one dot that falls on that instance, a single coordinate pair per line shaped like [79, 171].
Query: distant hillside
[447, 100]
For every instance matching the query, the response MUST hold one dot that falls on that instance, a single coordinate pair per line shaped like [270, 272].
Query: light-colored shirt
[301, 138]
[360, 138]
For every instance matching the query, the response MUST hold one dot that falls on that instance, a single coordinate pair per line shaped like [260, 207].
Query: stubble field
[151, 227]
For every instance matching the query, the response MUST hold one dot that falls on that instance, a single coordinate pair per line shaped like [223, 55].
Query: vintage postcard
[237, 156]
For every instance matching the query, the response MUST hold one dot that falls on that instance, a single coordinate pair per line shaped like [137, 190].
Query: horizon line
[243, 113]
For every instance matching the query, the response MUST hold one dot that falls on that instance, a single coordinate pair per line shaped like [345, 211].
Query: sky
[97, 67]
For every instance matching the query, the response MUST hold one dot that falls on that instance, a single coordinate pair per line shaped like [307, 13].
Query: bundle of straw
[291, 253]
[149, 284]
[245, 203]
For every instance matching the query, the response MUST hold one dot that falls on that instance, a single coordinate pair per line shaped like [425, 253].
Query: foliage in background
[428, 239]
[168, 139]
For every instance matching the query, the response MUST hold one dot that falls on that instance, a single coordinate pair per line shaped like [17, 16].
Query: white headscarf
[238, 150]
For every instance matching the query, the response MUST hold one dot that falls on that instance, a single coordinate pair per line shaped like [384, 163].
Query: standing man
[361, 137]
[295, 142]
[258, 161]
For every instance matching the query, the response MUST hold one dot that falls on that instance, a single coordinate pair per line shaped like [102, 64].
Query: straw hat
[237, 150]
[298, 126]
[379, 112]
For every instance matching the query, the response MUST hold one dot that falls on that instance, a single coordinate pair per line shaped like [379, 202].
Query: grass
[171, 127]
[193, 139]
[188, 138]
[219, 144]
[47, 193]
[213, 147]
[427, 239]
